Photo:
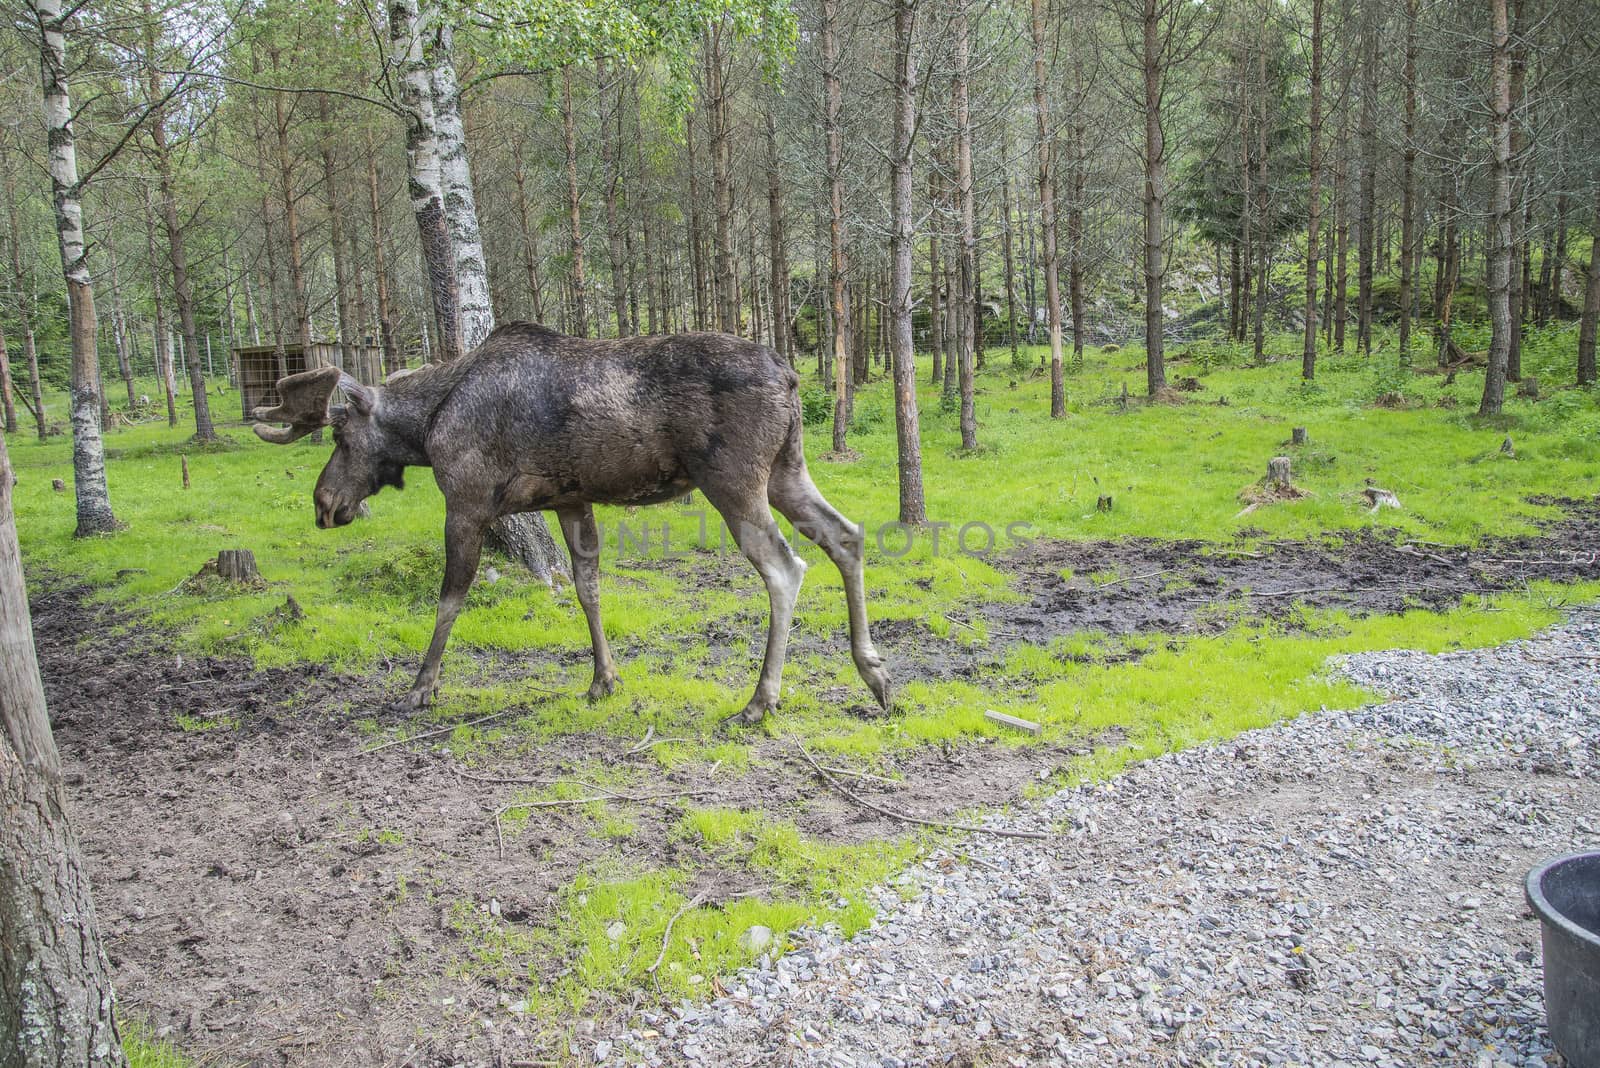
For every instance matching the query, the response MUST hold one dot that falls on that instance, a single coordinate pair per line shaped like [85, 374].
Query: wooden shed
[258, 370]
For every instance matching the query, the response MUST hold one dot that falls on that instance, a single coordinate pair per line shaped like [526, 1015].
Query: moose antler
[302, 403]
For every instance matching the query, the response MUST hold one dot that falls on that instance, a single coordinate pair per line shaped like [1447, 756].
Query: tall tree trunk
[697, 259]
[1587, 327]
[460, 204]
[727, 285]
[182, 290]
[1044, 151]
[1553, 298]
[425, 178]
[1308, 355]
[527, 231]
[1263, 202]
[569, 134]
[380, 266]
[1341, 231]
[88, 450]
[832, 103]
[967, 261]
[1155, 193]
[1408, 183]
[1519, 187]
[1500, 210]
[935, 280]
[902, 241]
[611, 163]
[22, 279]
[8, 395]
[1366, 217]
[1007, 261]
[161, 328]
[778, 246]
[525, 537]
[299, 296]
[119, 330]
[1078, 163]
[341, 274]
[56, 1002]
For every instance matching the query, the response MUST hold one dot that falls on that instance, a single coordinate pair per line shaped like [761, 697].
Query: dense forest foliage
[991, 174]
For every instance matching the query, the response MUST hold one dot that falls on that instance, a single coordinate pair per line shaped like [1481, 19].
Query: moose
[533, 420]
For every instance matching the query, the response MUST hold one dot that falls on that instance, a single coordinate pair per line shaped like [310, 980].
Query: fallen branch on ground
[822, 773]
[666, 935]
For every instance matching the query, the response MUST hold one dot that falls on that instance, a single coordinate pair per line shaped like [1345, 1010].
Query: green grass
[144, 1050]
[1175, 471]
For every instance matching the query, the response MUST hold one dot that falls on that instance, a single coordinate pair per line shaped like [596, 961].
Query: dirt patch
[1196, 587]
[270, 895]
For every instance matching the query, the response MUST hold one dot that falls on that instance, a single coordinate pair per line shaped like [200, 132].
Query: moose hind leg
[764, 546]
[583, 543]
[794, 494]
[463, 544]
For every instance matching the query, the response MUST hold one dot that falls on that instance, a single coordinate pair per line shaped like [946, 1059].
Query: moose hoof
[877, 679]
[603, 687]
[748, 716]
[414, 700]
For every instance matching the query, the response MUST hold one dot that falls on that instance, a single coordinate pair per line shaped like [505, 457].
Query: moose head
[365, 457]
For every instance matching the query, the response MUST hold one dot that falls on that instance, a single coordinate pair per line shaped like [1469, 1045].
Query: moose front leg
[463, 543]
[583, 542]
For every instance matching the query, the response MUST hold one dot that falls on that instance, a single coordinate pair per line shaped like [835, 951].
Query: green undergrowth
[144, 1050]
[611, 926]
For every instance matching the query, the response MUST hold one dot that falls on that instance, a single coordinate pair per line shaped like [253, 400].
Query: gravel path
[1344, 889]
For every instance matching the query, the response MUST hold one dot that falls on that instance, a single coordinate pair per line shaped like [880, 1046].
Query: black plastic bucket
[1565, 895]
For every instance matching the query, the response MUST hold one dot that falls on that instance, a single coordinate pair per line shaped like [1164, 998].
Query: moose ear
[362, 398]
[302, 403]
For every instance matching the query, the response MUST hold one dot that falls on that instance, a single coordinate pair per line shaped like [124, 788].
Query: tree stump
[1278, 473]
[526, 539]
[237, 565]
[1529, 388]
[184, 460]
[1508, 449]
[1104, 503]
[58, 485]
[1297, 436]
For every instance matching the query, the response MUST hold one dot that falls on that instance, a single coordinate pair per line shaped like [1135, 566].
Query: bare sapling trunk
[177, 250]
[341, 273]
[569, 134]
[1044, 149]
[22, 279]
[1155, 180]
[832, 103]
[88, 449]
[1367, 209]
[7, 390]
[611, 162]
[967, 260]
[1308, 357]
[777, 247]
[1590, 322]
[902, 242]
[1408, 183]
[380, 266]
[1501, 325]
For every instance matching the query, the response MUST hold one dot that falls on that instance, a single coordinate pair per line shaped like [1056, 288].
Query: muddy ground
[250, 905]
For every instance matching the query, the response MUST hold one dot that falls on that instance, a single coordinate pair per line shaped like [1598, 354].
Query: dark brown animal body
[532, 420]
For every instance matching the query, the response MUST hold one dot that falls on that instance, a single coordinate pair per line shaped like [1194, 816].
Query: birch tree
[88, 449]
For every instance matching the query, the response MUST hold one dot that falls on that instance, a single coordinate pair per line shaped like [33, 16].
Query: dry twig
[666, 935]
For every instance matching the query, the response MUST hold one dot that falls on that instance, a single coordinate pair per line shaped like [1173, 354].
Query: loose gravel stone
[1344, 888]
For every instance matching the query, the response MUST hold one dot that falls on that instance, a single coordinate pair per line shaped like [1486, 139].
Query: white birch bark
[88, 449]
